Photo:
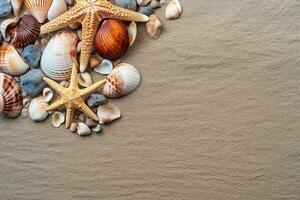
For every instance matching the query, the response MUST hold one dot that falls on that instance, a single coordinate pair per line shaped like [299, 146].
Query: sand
[217, 116]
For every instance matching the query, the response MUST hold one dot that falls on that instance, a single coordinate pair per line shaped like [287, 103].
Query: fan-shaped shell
[11, 62]
[59, 55]
[38, 8]
[122, 80]
[11, 100]
[112, 39]
[21, 31]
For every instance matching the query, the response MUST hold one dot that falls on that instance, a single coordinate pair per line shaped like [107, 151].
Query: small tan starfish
[90, 13]
[73, 97]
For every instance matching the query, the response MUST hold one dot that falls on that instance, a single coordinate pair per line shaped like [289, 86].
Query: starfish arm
[86, 110]
[74, 81]
[58, 88]
[69, 116]
[56, 104]
[90, 25]
[92, 88]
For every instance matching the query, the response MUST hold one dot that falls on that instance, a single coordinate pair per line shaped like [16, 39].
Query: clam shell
[173, 10]
[108, 113]
[105, 67]
[38, 8]
[57, 8]
[112, 39]
[121, 81]
[47, 94]
[21, 31]
[38, 109]
[11, 100]
[132, 31]
[59, 55]
[11, 62]
[154, 26]
[57, 119]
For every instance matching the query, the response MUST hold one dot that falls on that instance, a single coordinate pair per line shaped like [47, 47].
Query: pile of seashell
[26, 57]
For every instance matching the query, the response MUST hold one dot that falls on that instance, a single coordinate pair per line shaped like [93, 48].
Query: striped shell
[11, 100]
[22, 31]
[11, 62]
[38, 8]
[59, 55]
[121, 81]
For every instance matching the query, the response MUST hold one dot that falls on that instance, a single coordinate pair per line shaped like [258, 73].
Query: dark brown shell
[24, 32]
[112, 39]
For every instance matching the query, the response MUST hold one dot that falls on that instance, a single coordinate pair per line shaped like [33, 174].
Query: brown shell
[112, 39]
[24, 32]
[11, 100]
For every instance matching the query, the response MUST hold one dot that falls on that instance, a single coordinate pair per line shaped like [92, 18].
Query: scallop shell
[108, 113]
[11, 100]
[11, 62]
[112, 39]
[57, 119]
[57, 8]
[38, 109]
[121, 81]
[59, 55]
[21, 31]
[38, 8]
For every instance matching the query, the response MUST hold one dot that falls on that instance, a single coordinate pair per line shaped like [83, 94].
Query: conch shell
[38, 8]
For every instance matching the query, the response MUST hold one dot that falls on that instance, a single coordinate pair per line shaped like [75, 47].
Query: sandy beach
[217, 116]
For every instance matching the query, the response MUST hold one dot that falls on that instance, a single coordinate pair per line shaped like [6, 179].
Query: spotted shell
[11, 100]
[38, 8]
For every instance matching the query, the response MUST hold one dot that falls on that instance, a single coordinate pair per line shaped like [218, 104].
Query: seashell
[154, 27]
[59, 56]
[11, 62]
[78, 47]
[108, 113]
[26, 102]
[57, 119]
[20, 31]
[121, 81]
[73, 127]
[48, 94]
[155, 4]
[94, 61]
[85, 79]
[173, 10]
[11, 100]
[38, 8]
[81, 117]
[132, 31]
[143, 2]
[105, 67]
[98, 128]
[5, 8]
[64, 84]
[17, 5]
[57, 8]
[96, 99]
[70, 2]
[38, 109]
[128, 4]
[83, 130]
[112, 39]
[90, 123]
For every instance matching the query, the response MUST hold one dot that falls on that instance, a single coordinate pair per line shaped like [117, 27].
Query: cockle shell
[17, 5]
[59, 56]
[11, 100]
[121, 81]
[11, 62]
[108, 113]
[21, 31]
[112, 39]
[38, 8]
[57, 119]
[38, 109]
[173, 10]
[57, 8]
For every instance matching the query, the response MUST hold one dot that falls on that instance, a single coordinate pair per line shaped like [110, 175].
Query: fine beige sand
[217, 116]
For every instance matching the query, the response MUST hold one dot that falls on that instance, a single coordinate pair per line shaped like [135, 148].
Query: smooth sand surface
[217, 116]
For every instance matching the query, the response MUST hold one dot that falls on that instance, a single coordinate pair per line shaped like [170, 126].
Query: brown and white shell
[108, 113]
[123, 80]
[38, 8]
[11, 100]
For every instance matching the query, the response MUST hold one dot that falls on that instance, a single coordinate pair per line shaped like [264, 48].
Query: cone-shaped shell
[38, 8]
[123, 79]
[11, 62]
[108, 113]
[11, 100]
[112, 39]
[59, 55]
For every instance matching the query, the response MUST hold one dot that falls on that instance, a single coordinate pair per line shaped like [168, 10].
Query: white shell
[154, 27]
[48, 94]
[97, 128]
[83, 130]
[121, 81]
[108, 113]
[17, 5]
[57, 8]
[57, 119]
[173, 10]
[5, 24]
[105, 67]
[38, 8]
[59, 56]
[94, 61]
[132, 32]
[85, 79]
[11, 62]
[143, 2]
[38, 109]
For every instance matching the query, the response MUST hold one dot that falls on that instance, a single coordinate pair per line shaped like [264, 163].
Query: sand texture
[217, 116]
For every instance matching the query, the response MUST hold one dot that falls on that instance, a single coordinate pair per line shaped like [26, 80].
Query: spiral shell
[38, 8]
[112, 39]
[123, 79]
[21, 31]
[11, 62]
[11, 100]
[59, 55]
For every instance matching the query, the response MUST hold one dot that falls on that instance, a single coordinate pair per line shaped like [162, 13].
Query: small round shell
[57, 119]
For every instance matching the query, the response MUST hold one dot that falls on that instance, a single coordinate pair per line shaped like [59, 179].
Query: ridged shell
[17, 5]
[123, 79]
[38, 8]
[59, 55]
[11, 100]
[57, 8]
[38, 109]
[112, 39]
[11, 62]
[21, 31]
